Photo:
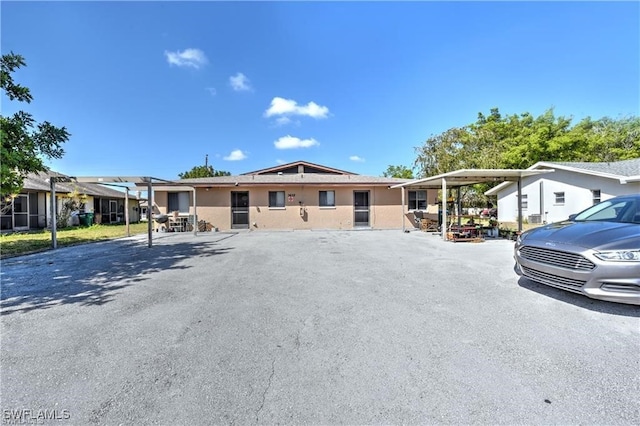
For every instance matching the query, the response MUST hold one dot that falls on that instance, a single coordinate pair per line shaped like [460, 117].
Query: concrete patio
[308, 327]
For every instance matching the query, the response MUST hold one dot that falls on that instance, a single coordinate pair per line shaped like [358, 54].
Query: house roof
[299, 167]
[624, 171]
[291, 179]
[40, 182]
[623, 168]
[285, 174]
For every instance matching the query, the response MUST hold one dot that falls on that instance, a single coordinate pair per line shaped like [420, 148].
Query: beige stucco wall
[214, 206]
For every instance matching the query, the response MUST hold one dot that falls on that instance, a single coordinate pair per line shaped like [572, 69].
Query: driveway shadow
[580, 300]
[91, 274]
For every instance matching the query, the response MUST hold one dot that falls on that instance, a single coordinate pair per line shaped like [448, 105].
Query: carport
[466, 177]
[170, 186]
[144, 183]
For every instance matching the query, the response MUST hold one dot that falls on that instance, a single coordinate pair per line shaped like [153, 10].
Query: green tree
[202, 171]
[442, 153]
[519, 141]
[402, 172]
[608, 139]
[24, 142]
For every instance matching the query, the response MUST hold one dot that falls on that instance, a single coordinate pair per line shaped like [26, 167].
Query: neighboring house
[298, 195]
[572, 187]
[144, 209]
[31, 208]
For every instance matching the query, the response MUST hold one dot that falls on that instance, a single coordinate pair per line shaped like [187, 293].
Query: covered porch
[465, 177]
[124, 183]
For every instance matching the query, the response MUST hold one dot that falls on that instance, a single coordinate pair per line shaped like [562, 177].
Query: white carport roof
[466, 177]
[120, 179]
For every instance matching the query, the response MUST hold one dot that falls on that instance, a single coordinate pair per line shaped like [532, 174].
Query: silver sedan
[596, 253]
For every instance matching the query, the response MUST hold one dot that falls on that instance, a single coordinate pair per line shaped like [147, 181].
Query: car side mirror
[572, 216]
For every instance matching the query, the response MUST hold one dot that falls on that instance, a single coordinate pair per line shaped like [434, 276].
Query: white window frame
[417, 200]
[596, 198]
[559, 198]
[524, 202]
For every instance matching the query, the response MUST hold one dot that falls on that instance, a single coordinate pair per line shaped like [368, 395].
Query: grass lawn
[30, 241]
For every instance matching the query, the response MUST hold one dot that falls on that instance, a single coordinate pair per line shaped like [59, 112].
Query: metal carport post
[54, 207]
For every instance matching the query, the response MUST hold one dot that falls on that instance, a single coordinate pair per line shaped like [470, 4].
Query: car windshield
[625, 210]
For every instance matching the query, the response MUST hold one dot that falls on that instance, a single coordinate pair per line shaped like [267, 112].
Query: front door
[34, 217]
[113, 211]
[239, 209]
[21, 212]
[361, 208]
[15, 213]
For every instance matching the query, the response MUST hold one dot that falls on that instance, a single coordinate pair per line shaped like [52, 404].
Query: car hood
[595, 235]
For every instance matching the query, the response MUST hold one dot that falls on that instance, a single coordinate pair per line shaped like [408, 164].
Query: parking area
[308, 327]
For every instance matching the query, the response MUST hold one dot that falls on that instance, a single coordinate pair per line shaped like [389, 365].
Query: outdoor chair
[429, 225]
[425, 223]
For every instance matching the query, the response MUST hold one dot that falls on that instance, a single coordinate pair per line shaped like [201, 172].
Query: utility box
[535, 219]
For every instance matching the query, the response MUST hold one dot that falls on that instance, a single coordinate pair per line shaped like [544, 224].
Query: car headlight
[619, 255]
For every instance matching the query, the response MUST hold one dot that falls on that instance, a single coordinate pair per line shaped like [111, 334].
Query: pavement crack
[264, 394]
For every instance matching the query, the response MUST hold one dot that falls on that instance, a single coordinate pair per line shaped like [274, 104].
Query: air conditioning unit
[535, 218]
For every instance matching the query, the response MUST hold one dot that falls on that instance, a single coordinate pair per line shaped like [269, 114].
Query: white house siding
[577, 189]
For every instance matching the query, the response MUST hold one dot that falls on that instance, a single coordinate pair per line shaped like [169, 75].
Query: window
[178, 201]
[417, 200]
[595, 195]
[559, 197]
[524, 202]
[276, 198]
[327, 199]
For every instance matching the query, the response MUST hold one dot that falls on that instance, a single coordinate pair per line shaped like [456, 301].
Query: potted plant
[493, 228]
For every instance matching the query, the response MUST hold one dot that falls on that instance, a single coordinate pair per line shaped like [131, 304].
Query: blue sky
[150, 88]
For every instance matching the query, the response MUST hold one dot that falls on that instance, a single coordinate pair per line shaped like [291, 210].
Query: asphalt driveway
[307, 327]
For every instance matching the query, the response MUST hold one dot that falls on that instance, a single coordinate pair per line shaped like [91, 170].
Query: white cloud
[281, 121]
[239, 82]
[284, 107]
[279, 161]
[236, 155]
[285, 121]
[291, 142]
[356, 158]
[212, 90]
[187, 58]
